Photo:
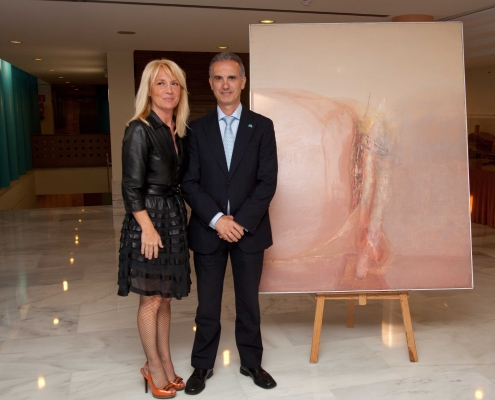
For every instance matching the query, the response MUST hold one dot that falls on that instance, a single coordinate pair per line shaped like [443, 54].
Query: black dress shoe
[260, 377]
[197, 381]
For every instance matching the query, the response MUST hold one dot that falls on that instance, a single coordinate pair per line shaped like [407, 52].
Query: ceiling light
[126, 33]
[78, 89]
[76, 228]
[51, 70]
[67, 82]
[222, 47]
[15, 41]
[60, 77]
[37, 59]
[267, 21]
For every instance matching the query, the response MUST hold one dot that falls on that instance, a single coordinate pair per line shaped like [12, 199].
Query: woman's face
[164, 93]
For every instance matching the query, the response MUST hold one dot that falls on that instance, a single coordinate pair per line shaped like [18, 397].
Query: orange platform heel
[178, 383]
[166, 393]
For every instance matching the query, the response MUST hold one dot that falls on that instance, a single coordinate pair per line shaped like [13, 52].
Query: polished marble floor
[65, 334]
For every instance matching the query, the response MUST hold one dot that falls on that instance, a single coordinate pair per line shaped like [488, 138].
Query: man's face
[227, 83]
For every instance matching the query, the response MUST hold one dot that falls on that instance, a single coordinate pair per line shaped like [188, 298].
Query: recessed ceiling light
[51, 70]
[15, 41]
[37, 59]
[126, 33]
[76, 89]
[267, 21]
[222, 47]
[60, 77]
[67, 82]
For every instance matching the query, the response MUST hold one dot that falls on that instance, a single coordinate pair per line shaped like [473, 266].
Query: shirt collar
[236, 114]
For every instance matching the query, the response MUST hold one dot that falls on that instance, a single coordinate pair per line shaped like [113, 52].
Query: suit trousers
[210, 273]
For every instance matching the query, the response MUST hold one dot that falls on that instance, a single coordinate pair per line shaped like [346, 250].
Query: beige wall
[71, 180]
[48, 124]
[21, 193]
[480, 98]
[120, 67]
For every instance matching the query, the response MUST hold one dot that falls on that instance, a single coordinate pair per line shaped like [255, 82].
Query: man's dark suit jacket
[249, 184]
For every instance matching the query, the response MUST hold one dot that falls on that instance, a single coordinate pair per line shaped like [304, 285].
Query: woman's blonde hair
[143, 99]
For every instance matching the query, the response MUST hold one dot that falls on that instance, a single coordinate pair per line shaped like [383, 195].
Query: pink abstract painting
[370, 124]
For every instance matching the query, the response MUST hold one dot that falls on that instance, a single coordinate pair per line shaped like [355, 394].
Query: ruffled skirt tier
[169, 274]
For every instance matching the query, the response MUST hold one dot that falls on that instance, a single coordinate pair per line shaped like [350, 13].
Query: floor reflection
[64, 333]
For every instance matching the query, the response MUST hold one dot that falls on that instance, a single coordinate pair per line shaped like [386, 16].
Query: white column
[120, 66]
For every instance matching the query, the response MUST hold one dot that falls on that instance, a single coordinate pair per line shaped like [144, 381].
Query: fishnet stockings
[154, 318]
[164, 319]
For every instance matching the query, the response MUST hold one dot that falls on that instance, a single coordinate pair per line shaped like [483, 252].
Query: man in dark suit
[229, 184]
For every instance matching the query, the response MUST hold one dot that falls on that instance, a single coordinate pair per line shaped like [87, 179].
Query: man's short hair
[227, 56]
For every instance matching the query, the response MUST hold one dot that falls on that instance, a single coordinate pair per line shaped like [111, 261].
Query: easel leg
[350, 313]
[406, 316]
[315, 345]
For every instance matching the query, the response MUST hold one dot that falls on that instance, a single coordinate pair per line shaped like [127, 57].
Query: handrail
[109, 164]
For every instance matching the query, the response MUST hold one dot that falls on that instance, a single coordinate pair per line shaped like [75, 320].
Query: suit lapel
[246, 128]
[214, 137]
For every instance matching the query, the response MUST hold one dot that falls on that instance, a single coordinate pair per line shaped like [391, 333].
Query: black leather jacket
[149, 158]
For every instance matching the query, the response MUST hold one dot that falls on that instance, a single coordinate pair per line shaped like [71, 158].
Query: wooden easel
[362, 298]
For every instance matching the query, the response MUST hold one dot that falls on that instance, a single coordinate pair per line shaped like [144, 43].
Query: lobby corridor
[65, 334]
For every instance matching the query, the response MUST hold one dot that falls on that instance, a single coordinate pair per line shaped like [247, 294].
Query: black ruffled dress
[151, 172]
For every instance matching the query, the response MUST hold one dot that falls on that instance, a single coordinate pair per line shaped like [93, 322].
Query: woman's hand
[150, 239]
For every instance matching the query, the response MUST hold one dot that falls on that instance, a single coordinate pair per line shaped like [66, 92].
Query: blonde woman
[154, 254]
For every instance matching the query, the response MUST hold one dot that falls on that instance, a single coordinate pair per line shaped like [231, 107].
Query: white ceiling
[73, 36]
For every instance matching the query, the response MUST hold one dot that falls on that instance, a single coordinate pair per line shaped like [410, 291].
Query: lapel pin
[250, 126]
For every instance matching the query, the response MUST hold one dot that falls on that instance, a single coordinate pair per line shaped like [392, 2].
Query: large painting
[370, 121]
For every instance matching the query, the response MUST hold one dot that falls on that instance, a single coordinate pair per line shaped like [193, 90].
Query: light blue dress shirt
[234, 126]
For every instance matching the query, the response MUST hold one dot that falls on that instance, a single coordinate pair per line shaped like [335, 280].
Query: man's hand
[229, 230]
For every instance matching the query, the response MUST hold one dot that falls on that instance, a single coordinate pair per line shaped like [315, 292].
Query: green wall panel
[7, 80]
[17, 91]
[19, 119]
[4, 153]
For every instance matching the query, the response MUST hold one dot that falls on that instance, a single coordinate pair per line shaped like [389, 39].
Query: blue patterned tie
[228, 139]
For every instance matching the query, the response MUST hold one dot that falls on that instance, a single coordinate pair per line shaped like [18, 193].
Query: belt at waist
[162, 190]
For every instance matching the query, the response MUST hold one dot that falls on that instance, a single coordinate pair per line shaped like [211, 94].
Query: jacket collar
[155, 120]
